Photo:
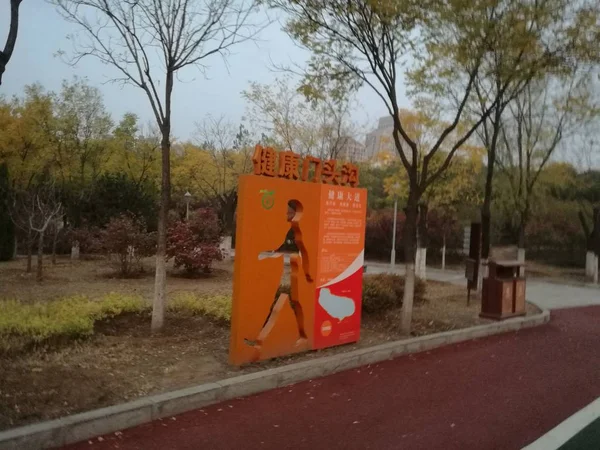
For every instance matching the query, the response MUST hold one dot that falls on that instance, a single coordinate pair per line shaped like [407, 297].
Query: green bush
[383, 292]
[216, 307]
[24, 325]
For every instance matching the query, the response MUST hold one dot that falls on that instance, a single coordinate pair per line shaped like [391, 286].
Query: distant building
[349, 149]
[380, 140]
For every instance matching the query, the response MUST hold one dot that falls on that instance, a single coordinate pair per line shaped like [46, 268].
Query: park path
[546, 294]
[500, 392]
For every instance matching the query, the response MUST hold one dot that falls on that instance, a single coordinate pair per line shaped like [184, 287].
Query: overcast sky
[43, 32]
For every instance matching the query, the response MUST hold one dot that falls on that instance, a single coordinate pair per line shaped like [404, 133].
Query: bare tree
[149, 42]
[538, 120]
[299, 120]
[34, 211]
[11, 39]
[230, 156]
[22, 210]
[45, 207]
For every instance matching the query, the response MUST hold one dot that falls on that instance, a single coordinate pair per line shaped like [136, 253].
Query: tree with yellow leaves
[223, 153]
[367, 42]
[538, 120]
[454, 193]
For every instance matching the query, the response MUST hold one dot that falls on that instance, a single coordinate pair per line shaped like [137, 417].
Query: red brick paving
[495, 393]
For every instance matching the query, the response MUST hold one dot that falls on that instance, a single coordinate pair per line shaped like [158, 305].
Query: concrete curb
[563, 432]
[78, 427]
[565, 282]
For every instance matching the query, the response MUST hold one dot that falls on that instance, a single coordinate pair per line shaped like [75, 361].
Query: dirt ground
[123, 361]
[95, 277]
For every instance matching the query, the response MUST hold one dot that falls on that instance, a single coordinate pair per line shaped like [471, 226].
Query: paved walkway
[548, 295]
[501, 392]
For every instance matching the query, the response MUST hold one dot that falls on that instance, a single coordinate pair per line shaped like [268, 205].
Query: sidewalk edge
[82, 426]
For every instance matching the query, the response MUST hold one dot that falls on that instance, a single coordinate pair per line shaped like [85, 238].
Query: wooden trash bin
[503, 291]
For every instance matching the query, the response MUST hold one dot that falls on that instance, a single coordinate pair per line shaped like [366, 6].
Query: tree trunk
[54, 239]
[29, 250]
[486, 222]
[486, 226]
[409, 238]
[521, 247]
[75, 251]
[15, 251]
[160, 280]
[486, 210]
[590, 261]
[444, 252]
[231, 206]
[422, 242]
[158, 307]
[40, 257]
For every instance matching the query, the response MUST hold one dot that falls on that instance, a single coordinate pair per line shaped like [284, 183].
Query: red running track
[495, 393]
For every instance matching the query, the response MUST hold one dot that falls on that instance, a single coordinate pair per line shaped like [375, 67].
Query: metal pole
[393, 255]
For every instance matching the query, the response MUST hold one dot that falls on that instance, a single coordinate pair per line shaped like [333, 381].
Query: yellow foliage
[23, 325]
[216, 307]
[457, 184]
[209, 173]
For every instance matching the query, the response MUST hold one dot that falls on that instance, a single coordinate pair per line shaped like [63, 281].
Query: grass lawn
[121, 360]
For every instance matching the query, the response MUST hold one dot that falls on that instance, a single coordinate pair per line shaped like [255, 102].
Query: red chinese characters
[264, 161]
[293, 167]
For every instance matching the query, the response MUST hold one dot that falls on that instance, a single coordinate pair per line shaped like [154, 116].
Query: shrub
[127, 237]
[215, 306]
[114, 194]
[378, 235]
[195, 244]
[554, 235]
[88, 238]
[25, 325]
[383, 292]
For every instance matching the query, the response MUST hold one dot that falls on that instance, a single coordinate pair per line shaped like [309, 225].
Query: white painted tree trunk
[521, 259]
[444, 254]
[226, 246]
[160, 281]
[421, 263]
[590, 261]
[75, 251]
[482, 273]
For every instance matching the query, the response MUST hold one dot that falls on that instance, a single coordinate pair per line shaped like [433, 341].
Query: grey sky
[43, 32]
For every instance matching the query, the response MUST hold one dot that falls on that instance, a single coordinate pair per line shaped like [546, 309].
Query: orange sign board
[324, 302]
